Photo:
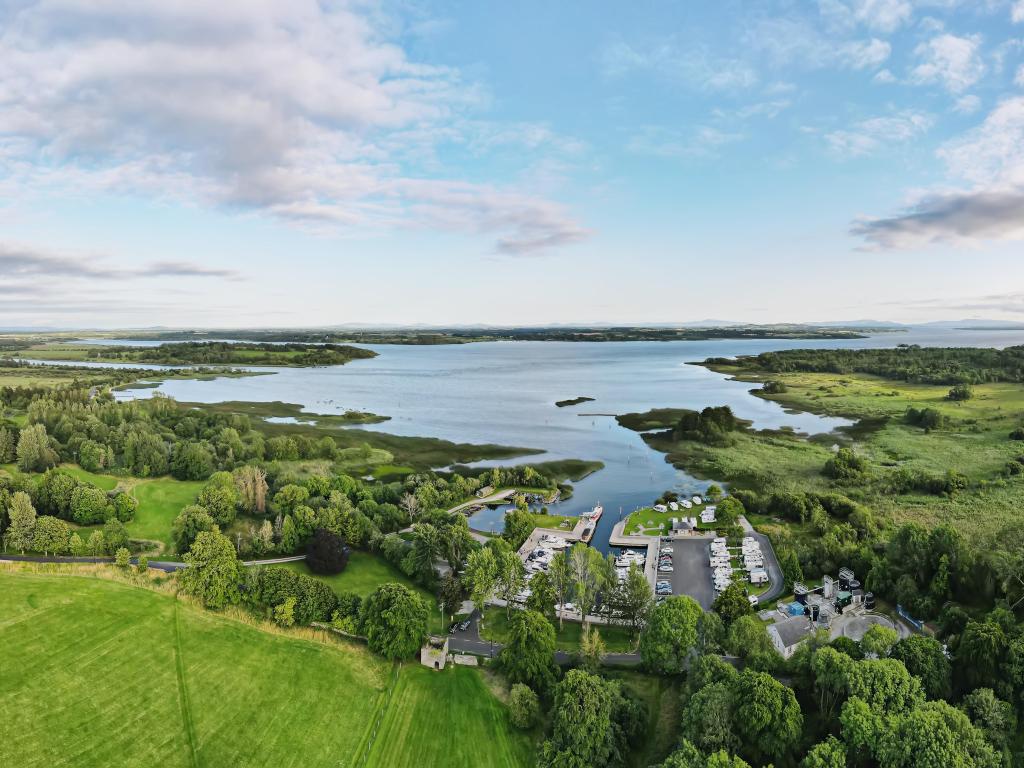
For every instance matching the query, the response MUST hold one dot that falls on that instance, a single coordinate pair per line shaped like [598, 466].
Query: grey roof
[792, 631]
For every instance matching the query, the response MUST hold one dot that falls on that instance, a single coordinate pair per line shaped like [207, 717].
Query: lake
[504, 392]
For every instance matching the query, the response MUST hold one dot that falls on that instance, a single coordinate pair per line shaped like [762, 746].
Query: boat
[595, 513]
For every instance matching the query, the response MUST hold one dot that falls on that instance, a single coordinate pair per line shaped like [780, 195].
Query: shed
[786, 635]
[434, 653]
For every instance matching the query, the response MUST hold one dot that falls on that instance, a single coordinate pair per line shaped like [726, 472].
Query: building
[434, 653]
[487, 490]
[787, 634]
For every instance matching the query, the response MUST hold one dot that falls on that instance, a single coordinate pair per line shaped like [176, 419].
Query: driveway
[771, 563]
[691, 575]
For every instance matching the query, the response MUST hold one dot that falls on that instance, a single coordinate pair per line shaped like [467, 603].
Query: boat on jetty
[591, 518]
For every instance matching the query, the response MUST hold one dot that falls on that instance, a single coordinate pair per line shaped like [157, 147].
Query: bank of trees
[925, 365]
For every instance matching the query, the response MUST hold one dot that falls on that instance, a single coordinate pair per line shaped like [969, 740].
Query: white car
[752, 599]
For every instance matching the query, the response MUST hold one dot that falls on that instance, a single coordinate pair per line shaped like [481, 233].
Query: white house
[787, 634]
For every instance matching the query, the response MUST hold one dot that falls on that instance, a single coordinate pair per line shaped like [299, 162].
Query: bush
[523, 707]
[123, 558]
[326, 553]
[143, 565]
[960, 392]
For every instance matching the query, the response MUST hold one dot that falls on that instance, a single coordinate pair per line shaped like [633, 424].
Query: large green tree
[670, 635]
[21, 526]
[190, 522]
[768, 718]
[214, 572]
[394, 620]
[529, 654]
[581, 723]
[925, 658]
[732, 603]
[34, 451]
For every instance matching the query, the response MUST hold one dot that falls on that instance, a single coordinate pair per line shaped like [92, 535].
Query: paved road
[771, 563]
[470, 641]
[691, 574]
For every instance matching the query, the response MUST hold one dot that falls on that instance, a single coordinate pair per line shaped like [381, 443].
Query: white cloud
[703, 141]
[869, 136]
[951, 61]
[967, 105]
[884, 76]
[695, 68]
[883, 15]
[1019, 77]
[287, 107]
[793, 41]
[990, 158]
[1017, 12]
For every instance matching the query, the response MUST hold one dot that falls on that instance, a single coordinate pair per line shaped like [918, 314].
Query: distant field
[102, 674]
[447, 719]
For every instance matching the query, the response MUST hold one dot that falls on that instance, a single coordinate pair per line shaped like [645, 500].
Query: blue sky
[261, 162]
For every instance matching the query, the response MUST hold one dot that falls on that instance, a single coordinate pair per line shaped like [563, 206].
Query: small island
[574, 401]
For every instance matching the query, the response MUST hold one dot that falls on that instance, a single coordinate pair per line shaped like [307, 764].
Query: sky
[279, 163]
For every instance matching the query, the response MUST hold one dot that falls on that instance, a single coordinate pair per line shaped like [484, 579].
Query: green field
[364, 573]
[99, 673]
[160, 501]
[449, 719]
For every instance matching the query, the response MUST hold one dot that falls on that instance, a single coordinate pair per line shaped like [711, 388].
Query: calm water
[504, 392]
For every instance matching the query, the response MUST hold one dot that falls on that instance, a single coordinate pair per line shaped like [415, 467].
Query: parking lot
[690, 575]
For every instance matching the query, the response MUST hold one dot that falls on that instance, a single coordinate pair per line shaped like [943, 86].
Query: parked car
[753, 600]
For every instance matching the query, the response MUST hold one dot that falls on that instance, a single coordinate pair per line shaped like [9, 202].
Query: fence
[380, 713]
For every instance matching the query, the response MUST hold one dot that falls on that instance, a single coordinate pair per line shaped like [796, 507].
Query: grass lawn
[101, 673]
[160, 501]
[450, 719]
[661, 521]
[616, 639]
[364, 573]
[106, 482]
[568, 522]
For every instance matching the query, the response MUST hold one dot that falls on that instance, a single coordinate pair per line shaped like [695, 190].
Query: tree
[523, 707]
[394, 620]
[89, 505]
[124, 507]
[21, 525]
[934, 735]
[289, 497]
[213, 573]
[289, 536]
[481, 576]
[581, 732]
[732, 603]
[728, 511]
[97, 544]
[768, 717]
[748, 638]
[885, 685]
[143, 564]
[251, 484]
[832, 673]
[826, 754]
[284, 613]
[529, 654]
[960, 392]
[191, 461]
[518, 527]
[670, 635]
[992, 716]
[426, 548]
[511, 574]
[542, 594]
[8, 451]
[708, 717]
[219, 500]
[51, 535]
[190, 522]
[122, 558]
[561, 581]
[980, 653]
[76, 546]
[263, 539]
[451, 595]
[687, 756]
[633, 598]
[592, 649]
[585, 567]
[34, 451]
[845, 466]
[326, 553]
[878, 640]
[790, 565]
